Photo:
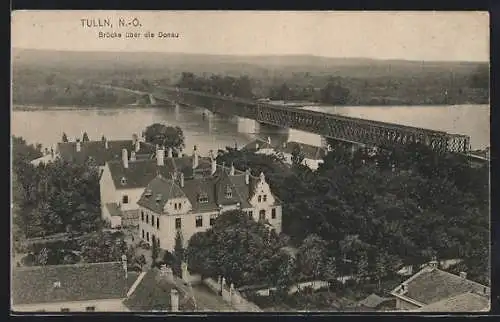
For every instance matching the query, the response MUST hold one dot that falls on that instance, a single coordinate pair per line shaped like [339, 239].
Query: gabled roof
[153, 293]
[97, 150]
[431, 285]
[309, 151]
[79, 282]
[140, 172]
[258, 144]
[161, 190]
[467, 302]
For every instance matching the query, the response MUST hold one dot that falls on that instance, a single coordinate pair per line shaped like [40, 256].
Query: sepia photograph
[250, 161]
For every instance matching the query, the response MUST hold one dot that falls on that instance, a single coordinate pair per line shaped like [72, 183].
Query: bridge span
[350, 129]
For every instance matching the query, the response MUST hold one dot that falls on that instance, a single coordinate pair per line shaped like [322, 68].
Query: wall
[107, 191]
[167, 232]
[133, 197]
[114, 305]
[233, 297]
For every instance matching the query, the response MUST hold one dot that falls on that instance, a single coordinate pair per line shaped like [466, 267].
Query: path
[206, 300]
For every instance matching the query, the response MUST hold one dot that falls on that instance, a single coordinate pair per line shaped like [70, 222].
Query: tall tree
[167, 136]
[311, 257]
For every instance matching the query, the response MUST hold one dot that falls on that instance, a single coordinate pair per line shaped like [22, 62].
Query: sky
[436, 36]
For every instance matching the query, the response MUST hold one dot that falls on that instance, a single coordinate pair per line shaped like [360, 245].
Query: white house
[190, 205]
[122, 182]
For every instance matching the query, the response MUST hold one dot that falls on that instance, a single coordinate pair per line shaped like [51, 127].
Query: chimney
[132, 156]
[269, 140]
[463, 275]
[182, 179]
[213, 162]
[124, 262]
[174, 300]
[160, 156]
[195, 157]
[284, 144]
[78, 146]
[169, 153]
[125, 158]
[106, 146]
[247, 176]
[256, 146]
[137, 145]
[231, 170]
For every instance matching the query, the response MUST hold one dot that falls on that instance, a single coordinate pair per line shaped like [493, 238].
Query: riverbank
[33, 108]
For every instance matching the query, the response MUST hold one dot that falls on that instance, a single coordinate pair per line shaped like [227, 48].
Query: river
[212, 132]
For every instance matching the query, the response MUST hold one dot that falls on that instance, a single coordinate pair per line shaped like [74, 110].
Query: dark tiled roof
[98, 151]
[153, 293]
[467, 302]
[139, 173]
[309, 151]
[114, 209]
[433, 285]
[161, 191]
[32, 285]
[258, 144]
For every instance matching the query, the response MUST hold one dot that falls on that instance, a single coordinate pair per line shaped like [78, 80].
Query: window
[142, 215]
[179, 206]
[273, 213]
[178, 223]
[212, 219]
[123, 181]
[157, 222]
[125, 199]
[147, 236]
[229, 192]
[265, 198]
[259, 199]
[175, 205]
[250, 214]
[90, 309]
[64, 309]
[262, 215]
[199, 221]
[143, 234]
[203, 198]
[153, 220]
[147, 219]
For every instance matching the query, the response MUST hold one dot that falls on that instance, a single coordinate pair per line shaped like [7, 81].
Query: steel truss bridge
[356, 130]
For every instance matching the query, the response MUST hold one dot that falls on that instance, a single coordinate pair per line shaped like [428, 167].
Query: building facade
[185, 206]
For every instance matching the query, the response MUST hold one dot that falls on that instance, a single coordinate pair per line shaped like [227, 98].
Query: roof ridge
[458, 277]
[28, 268]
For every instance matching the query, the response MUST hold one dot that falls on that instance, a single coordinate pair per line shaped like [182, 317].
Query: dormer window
[123, 181]
[229, 192]
[158, 197]
[148, 193]
[203, 198]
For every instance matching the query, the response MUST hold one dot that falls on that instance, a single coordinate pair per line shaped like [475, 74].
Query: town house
[434, 290]
[187, 205]
[85, 287]
[122, 182]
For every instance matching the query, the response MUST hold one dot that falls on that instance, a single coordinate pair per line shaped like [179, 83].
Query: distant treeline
[55, 89]
[434, 89]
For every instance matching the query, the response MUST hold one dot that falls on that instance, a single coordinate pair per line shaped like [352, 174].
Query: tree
[334, 93]
[330, 270]
[85, 137]
[311, 256]
[64, 138]
[167, 136]
[154, 252]
[102, 248]
[362, 266]
[236, 247]
[381, 266]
